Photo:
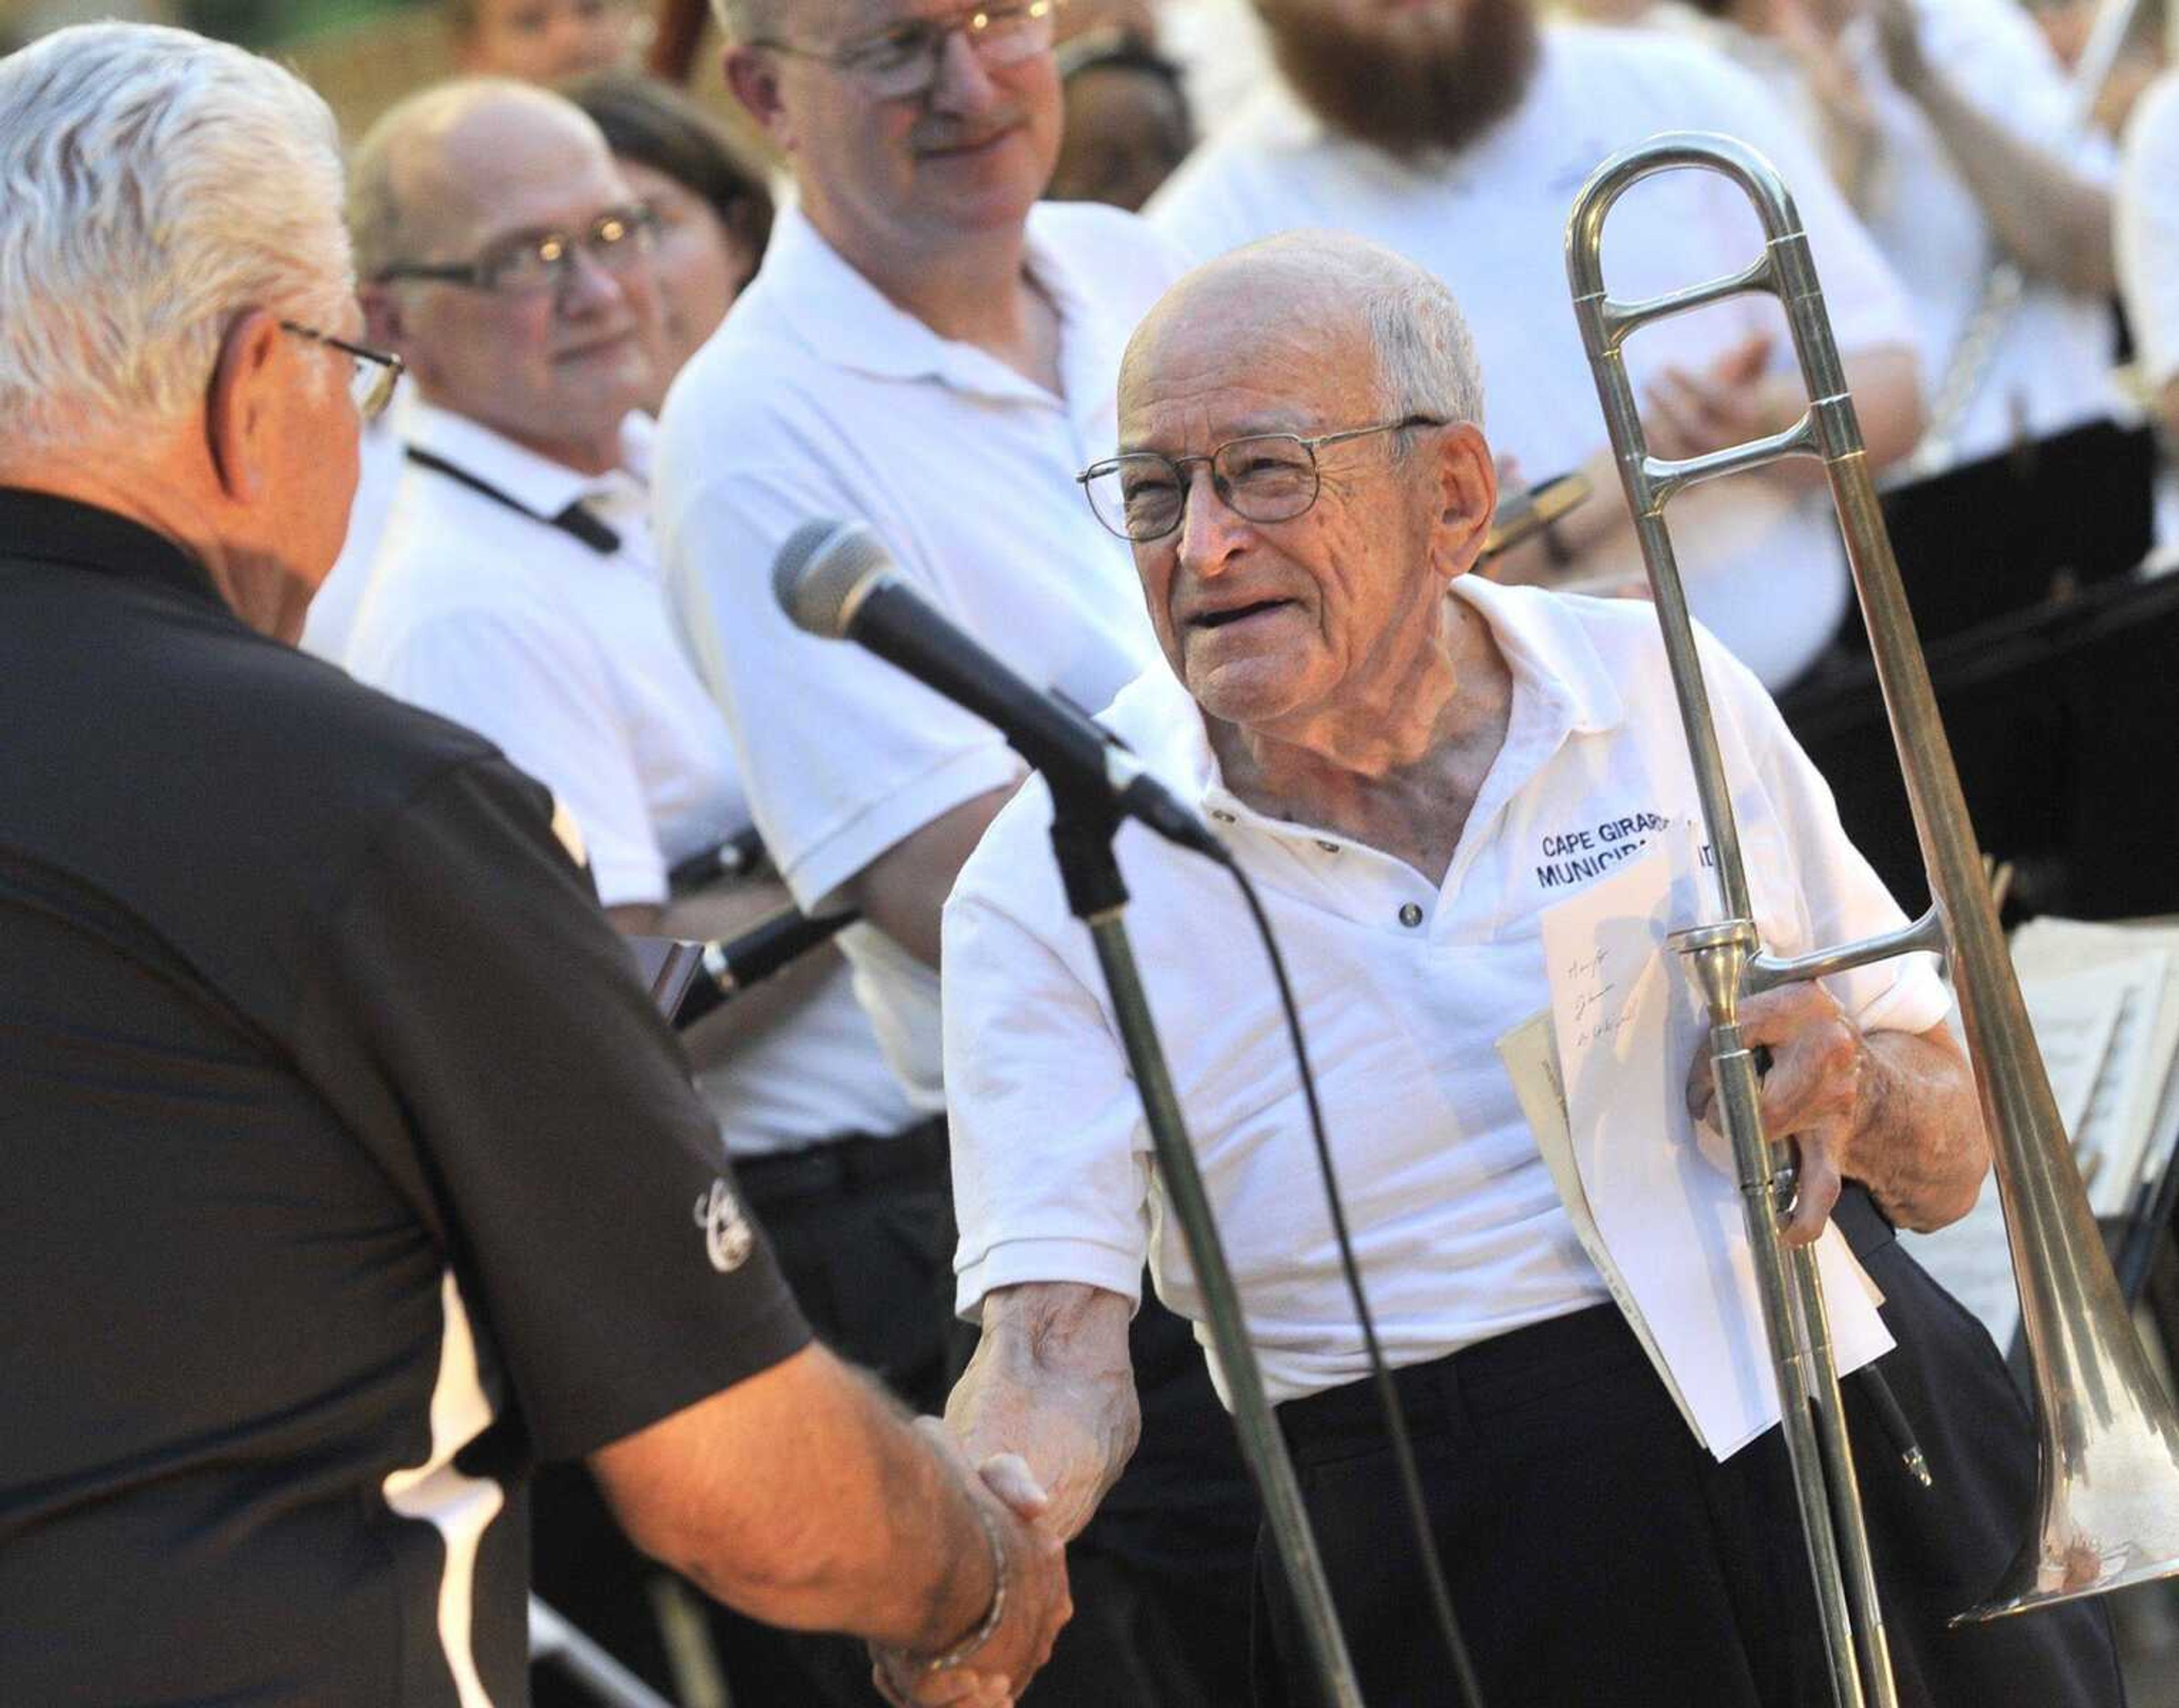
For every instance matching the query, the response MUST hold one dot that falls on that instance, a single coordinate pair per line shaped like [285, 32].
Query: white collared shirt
[1403, 987]
[566, 658]
[819, 397]
[1491, 222]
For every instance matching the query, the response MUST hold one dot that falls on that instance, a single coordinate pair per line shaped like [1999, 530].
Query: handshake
[991, 1662]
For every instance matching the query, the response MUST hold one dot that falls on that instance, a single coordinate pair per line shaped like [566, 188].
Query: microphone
[835, 580]
[724, 970]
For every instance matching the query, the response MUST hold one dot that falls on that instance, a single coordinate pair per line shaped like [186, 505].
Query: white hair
[1426, 361]
[153, 185]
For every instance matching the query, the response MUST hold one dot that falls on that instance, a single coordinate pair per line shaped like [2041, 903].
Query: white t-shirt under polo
[1403, 988]
[819, 397]
[566, 658]
[1490, 221]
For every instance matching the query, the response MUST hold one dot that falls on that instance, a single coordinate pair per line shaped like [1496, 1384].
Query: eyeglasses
[904, 61]
[534, 263]
[1266, 477]
[373, 374]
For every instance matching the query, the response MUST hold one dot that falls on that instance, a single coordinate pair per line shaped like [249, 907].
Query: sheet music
[2121, 1123]
[2080, 981]
[1671, 1217]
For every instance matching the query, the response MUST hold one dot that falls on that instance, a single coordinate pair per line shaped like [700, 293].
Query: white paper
[1971, 1260]
[1532, 1063]
[1627, 1031]
[2075, 1018]
[2121, 1121]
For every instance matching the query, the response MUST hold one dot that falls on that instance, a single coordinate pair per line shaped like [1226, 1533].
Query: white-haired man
[350, 1171]
[1388, 743]
[1457, 132]
[929, 349]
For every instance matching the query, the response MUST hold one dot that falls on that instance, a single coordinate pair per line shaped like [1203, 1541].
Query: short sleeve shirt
[819, 397]
[349, 1170]
[565, 656]
[1404, 987]
[1490, 221]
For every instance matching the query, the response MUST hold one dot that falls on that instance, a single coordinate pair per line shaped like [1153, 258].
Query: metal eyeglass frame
[385, 367]
[637, 224]
[1222, 485]
[922, 42]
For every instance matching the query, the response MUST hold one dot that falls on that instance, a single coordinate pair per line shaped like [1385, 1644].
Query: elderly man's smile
[1249, 616]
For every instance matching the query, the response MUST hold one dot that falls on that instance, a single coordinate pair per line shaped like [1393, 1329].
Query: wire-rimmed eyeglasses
[535, 262]
[1142, 496]
[373, 374]
[902, 61]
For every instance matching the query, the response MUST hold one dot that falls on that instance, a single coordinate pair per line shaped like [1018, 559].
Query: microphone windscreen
[821, 571]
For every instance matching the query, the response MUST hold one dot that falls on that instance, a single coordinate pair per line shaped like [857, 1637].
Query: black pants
[1597, 1555]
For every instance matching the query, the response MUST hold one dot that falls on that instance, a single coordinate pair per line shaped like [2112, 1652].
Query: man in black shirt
[347, 1171]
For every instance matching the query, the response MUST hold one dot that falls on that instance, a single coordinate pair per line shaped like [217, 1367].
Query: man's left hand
[1813, 1095]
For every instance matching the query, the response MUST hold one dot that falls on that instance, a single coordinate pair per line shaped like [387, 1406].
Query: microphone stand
[1083, 825]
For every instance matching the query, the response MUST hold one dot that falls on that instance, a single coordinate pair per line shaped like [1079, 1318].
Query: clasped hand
[1037, 1601]
[1814, 1096]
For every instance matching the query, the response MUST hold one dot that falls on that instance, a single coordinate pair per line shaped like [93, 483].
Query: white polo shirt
[2051, 367]
[1403, 988]
[1491, 222]
[566, 658]
[819, 397]
[2148, 229]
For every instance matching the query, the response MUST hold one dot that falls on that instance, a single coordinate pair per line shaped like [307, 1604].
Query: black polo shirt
[345, 1169]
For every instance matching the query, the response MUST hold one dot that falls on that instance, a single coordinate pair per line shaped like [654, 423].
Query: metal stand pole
[1082, 838]
[552, 1638]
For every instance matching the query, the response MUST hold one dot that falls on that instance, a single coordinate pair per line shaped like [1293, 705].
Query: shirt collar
[46, 528]
[849, 322]
[1541, 635]
[536, 483]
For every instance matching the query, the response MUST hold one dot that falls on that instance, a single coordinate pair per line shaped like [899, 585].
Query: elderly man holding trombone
[1386, 742]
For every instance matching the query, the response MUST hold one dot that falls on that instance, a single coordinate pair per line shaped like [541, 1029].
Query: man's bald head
[429, 172]
[1337, 306]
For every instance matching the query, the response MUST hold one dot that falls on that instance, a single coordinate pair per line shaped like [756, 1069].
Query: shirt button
[1328, 846]
[1221, 815]
[1411, 915]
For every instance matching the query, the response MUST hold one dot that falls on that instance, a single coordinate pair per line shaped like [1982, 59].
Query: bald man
[1390, 746]
[517, 593]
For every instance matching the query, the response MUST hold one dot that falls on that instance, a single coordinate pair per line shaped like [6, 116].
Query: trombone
[2107, 1508]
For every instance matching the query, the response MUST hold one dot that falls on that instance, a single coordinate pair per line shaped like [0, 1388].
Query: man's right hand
[1037, 1599]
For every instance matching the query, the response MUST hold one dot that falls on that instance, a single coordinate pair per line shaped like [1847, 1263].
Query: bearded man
[1457, 132]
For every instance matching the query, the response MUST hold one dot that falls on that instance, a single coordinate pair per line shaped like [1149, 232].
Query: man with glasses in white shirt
[929, 349]
[517, 593]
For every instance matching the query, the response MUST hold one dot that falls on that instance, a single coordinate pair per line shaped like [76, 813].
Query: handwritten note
[1627, 1030]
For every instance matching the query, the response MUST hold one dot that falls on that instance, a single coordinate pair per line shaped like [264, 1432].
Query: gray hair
[153, 184]
[1426, 362]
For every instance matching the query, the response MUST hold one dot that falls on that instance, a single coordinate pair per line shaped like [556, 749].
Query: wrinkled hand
[1899, 35]
[1038, 1602]
[1686, 414]
[1814, 1094]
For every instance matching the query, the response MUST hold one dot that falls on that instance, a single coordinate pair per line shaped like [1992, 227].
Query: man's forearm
[1920, 1149]
[805, 1497]
[2053, 223]
[1050, 1381]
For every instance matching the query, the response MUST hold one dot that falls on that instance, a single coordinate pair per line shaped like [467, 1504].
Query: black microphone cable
[1388, 1398]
